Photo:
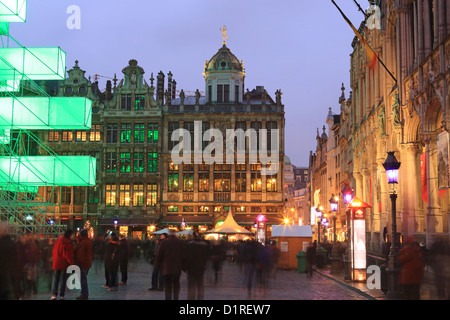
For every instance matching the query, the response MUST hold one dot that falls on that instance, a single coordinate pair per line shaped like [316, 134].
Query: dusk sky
[299, 46]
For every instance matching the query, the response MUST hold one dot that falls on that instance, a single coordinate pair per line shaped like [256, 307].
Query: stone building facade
[138, 186]
[401, 107]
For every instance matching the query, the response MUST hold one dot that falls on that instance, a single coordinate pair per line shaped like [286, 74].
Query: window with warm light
[152, 194]
[138, 195]
[94, 134]
[124, 195]
[110, 194]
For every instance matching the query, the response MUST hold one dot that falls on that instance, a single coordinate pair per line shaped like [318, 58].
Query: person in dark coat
[123, 260]
[112, 263]
[83, 259]
[157, 276]
[412, 271]
[198, 252]
[310, 256]
[8, 262]
[170, 258]
[63, 257]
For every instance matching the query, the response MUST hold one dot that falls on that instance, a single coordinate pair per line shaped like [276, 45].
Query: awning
[188, 219]
[126, 221]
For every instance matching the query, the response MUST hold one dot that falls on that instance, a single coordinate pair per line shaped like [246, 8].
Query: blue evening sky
[299, 46]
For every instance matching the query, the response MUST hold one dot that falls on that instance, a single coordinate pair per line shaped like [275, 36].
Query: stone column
[434, 217]
[410, 180]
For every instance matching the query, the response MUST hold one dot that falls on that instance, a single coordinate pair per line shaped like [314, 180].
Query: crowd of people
[32, 263]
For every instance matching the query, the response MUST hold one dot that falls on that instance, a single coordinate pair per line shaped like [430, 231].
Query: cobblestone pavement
[283, 285]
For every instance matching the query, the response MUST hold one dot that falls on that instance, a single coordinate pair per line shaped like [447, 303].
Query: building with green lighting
[137, 183]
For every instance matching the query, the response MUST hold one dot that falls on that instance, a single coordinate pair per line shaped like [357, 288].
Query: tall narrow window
[138, 195]
[78, 195]
[126, 102]
[92, 195]
[111, 162]
[172, 127]
[139, 102]
[124, 195]
[152, 194]
[94, 134]
[226, 93]
[138, 162]
[271, 130]
[219, 93]
[125, 162]
[236, 93]
[188, 178]
[125, 133]
[139, 133]
[241, 178]
[173, 182]
[152, 162]
[271, 183]
[110, 194]
[111, 133]
[152, 133]
[209, 94]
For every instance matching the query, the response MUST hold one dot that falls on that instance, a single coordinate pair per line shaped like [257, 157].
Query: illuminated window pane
[94, 134]
[125, 162]
[139, 102]
[110, 194]
[173, 182]
[152, 194]
[271, 181]
[139, 133]
[138, 162]
[125, 133]
[152, 133]
[152, 162]
[111, 162]
[138, 195]
[124, 195]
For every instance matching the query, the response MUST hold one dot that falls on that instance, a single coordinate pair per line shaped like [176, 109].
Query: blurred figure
[8, 262]
[218, 251]
[32, 256]
[310, 256]
[63, 257]
[411, 275]
[438, 260]
[84, 256]
[198, 252]
[249, 260]
[112, 262]
[47, 263]
[123, 259]
[170, 258]
[157, 276]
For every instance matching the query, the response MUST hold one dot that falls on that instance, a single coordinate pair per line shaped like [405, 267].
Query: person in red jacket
[84, 261]
[412, 272]
[63, 257]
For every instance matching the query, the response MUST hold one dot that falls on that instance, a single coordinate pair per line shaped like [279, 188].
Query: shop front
[132, 228]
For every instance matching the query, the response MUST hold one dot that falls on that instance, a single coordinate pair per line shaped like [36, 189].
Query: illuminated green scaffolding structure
[27, 164]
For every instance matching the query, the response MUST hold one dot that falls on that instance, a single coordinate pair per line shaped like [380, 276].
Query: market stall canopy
[229, 226]
[291, 231]
[165, 230]
[186, 232]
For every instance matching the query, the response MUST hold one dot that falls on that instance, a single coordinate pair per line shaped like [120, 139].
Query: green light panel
[13, 10]
[47, 171]
[9, 85]
[35, 63]
[45, 113]
[4, 28]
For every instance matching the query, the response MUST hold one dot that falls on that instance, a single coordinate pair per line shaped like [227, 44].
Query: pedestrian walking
[170, 258]
[157, 276]
[8, 262]
[123, 259]
[32, 258]
[250, 259]
[310, 256]
[411, 274]
[217, 256]
[47, 264]
[112, 262]
[84, 255]
[63, 257]
[198, 252]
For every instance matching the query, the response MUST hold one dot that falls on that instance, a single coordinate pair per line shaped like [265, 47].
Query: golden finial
[224, 33]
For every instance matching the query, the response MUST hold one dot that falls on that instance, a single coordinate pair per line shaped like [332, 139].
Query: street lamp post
[347, 193]
[394, 290]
